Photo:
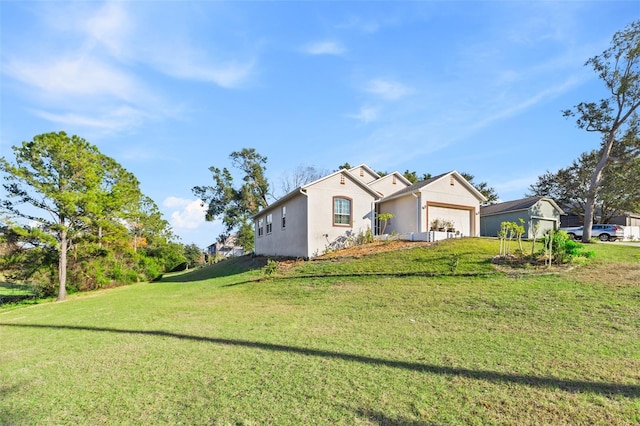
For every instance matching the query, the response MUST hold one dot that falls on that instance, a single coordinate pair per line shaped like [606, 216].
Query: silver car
[602, 231]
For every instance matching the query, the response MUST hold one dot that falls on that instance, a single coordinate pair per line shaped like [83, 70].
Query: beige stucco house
[337, 208]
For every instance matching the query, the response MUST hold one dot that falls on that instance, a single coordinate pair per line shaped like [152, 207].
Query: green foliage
[270, 268]
[365, 237]
[235, 206]
[615, 117]
[509, 231]
[561, 249]
[194, 255]
[384, 218]
[454, 261]
[569, 186]
[92, 227]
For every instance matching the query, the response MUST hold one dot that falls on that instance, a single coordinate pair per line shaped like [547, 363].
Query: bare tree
[301, 175]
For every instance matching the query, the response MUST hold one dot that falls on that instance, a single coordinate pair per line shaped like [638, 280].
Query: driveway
[627, 243]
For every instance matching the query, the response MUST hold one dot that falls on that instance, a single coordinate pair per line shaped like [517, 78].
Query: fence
[632, 233]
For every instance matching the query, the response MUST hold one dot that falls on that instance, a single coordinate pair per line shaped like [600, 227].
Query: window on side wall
[269, 223]
[284, 217]
[342, 211]
[260, 227]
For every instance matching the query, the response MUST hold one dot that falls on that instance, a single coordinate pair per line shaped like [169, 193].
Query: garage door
[544, 225]
[461, 217]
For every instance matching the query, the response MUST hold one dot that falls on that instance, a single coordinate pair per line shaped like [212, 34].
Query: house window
[342, 211]
[341, 179]
[284, 217]
[269, 223]
[260, 227]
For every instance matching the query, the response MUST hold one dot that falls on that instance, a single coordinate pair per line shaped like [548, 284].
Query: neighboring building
[624, 219]
[542, 212]
[229, 248]
[337, 208]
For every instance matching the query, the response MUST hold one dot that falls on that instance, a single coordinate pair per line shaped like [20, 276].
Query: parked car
[603, 231]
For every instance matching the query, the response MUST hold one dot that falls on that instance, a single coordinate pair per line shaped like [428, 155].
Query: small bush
[270, 268]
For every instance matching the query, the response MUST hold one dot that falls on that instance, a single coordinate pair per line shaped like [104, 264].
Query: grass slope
[391, 338]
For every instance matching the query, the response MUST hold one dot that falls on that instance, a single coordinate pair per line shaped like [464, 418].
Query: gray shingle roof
[508, 206]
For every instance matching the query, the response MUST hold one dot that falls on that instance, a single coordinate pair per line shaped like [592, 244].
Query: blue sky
[170, 88]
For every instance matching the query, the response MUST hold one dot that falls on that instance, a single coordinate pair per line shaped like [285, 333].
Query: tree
[236, 206]
[412, 176]
[569, 187]
[483, 187]
[69, 188]
[301, 176]
[193, 254]
[615, 118]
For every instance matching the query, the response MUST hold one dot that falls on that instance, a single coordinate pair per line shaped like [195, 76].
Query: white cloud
[80, 68]
[188, 65]
[324, 48]
[74, 76]
[366, 114]
[111, 27]
[114, 119]
[387, 89]
[185, 213]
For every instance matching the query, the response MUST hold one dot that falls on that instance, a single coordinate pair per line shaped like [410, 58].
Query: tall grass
[383, 339]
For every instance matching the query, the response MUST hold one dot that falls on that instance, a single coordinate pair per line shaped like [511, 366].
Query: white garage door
[460, 217]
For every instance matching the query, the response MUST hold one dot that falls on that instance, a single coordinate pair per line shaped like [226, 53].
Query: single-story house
[539, 213]
[337, 208]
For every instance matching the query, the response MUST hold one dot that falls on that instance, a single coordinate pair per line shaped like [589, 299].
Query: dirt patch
[375, 247]
[517, 266]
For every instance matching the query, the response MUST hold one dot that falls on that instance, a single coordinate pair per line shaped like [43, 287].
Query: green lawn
[392, 338]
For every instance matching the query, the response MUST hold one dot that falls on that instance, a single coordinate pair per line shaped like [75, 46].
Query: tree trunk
[593, 187]
[62, 266]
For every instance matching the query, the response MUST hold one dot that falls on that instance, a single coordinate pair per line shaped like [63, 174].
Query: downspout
[415, 194]
[374, 229]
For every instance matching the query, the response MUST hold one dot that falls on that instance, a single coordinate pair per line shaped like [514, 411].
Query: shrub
[270, 268]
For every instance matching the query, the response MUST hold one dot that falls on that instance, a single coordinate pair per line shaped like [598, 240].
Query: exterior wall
[490, 225]
[405, 218]
[543, 213]
[322, 233]
[290, 241]
[632, 233]
[626, 220]
[449, 192]
[388, 185]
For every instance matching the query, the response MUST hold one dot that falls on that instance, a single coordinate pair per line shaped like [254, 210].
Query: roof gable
[425, 183]
[365, 173]
[301, 190]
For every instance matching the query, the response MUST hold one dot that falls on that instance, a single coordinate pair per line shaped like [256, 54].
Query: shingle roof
[508, 206]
